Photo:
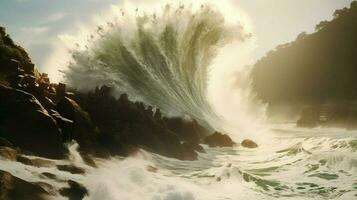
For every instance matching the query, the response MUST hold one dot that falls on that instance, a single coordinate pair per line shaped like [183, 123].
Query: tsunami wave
[162, 59]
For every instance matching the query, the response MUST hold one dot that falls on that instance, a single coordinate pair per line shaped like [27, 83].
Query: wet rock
[36, 162]
[65, 124]
[249, 143]
[8, 153]
[75, 191]
[50, 176]
[13, 188]
[26, 124]
[71, 169]
[218, 140]
[188, 152]
[84, 131]
[187, 130]
[194, 147]
[47, 103]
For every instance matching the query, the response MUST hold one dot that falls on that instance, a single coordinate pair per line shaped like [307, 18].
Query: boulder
[249, 143]
[26, 124]
[218, 140]
[74, 191]
[12, 187]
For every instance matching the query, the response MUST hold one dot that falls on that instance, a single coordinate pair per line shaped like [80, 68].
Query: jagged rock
[47, 103]
[187, 130]
[13, 188]
[65, 124]
[84, 132]
[75, 191]
[218, 140]
[249, 143]
[26, 124]
[125, 124]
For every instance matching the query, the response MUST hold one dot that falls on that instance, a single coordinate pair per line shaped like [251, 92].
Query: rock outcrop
[26, 124]
[218, 140]
[123, 123]
[82, 130]
[12, 188]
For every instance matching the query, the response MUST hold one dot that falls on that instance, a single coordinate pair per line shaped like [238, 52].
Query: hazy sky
[36, 24]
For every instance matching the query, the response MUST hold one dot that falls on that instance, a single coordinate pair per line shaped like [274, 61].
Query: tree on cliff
[316, 67]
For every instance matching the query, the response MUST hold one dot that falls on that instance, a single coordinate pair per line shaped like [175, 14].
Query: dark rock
[47, 103]
[194, 146]
[24, 160]
[218, 140]
[75, 191]
[13, 188]
[29, 80]
[8, 153]
[249, 143]
[189, 152]
[37, 162]
[187, 130]
[50, 176]
[71, 169]
[26, 124]
[5, 143]
[29, 68]
[65, 124]
[84, 132]
[61, 90]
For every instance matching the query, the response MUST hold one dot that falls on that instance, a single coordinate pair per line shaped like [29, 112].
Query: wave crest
[161, 59]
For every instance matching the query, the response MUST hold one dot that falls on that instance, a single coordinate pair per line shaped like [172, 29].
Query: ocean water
[293, 164]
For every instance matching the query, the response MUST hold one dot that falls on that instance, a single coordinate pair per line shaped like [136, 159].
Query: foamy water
[293, 164]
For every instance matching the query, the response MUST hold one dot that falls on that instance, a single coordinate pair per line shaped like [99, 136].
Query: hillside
[316, 68]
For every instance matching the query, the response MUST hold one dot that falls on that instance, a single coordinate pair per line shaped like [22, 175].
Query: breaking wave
[160, 58]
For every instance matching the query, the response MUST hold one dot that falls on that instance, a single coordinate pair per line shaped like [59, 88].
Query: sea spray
[160, 58]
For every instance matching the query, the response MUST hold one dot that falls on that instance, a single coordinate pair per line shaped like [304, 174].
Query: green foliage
[315, 68]
[9, 50]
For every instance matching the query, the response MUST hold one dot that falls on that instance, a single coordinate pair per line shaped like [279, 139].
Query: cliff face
[315, 68]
